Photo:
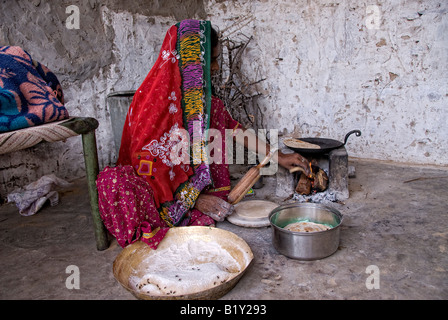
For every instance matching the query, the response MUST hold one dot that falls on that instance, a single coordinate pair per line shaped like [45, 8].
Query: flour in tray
[189, 267]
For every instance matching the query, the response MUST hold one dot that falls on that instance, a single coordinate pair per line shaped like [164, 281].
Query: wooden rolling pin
[247, 181]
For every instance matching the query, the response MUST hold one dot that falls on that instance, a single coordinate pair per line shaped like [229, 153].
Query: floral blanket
[30, 94]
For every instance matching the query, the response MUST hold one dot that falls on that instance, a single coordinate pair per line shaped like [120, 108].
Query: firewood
[304, 185]
[320, 182]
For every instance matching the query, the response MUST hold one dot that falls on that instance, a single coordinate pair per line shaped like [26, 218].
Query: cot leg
[92, 170]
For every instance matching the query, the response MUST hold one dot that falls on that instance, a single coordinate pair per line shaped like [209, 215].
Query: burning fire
[311, 175]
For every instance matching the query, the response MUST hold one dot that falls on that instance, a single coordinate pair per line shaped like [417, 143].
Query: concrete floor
[396, 219]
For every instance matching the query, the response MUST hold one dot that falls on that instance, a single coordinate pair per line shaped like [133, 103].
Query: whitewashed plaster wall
[327, 70]
[113, 50]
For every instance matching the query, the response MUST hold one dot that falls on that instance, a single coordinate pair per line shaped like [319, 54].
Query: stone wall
[330, 67]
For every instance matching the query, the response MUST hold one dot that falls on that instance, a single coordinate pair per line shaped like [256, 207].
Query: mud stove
[334, 164]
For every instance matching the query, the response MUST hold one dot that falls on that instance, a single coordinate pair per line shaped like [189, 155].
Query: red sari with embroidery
[170, 113]
[154, 117]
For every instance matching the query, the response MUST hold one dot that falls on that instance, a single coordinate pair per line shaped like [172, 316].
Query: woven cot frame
[62, 130]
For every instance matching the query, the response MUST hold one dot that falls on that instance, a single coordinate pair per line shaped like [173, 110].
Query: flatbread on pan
[296, 143]
[306, 226]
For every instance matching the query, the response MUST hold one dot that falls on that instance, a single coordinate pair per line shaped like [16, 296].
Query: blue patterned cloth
[30, 94]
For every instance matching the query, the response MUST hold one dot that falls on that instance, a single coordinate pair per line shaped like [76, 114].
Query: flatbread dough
[296, 143]
[252, 213]
[306, 226]
[189, 267]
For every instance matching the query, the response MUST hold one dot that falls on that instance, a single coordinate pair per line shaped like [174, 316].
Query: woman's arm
[261, 147]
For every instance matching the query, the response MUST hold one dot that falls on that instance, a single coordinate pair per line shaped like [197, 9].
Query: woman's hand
[291, 160]
[214, 207]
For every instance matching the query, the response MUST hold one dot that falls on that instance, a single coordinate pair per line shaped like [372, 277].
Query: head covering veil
[165, 128]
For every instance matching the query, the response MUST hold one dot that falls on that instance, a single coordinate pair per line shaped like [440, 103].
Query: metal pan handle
[358, 133]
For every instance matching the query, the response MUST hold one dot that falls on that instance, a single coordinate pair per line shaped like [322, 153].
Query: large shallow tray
[130, 263]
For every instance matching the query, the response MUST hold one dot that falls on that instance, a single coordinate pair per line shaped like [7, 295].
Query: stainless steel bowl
[305, 245]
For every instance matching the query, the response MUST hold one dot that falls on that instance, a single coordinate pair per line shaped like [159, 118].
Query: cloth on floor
[30, 94]
[32, 197]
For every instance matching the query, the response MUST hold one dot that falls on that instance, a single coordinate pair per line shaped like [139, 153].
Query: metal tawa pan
[326, 145]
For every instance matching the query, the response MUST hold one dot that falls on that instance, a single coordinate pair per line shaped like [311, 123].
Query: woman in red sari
[163, 165]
